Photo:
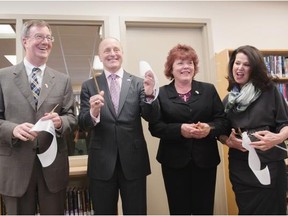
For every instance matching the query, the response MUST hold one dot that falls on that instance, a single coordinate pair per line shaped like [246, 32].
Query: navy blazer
[204, 105]
[120, 134]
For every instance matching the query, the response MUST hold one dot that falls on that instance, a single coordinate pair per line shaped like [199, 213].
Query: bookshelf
[77, 196]
[78, 166]
[222, 60]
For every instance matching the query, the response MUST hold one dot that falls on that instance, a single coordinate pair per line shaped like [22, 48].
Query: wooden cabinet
[78, 201]
[78, 165]
[222, 60]
[78, 171]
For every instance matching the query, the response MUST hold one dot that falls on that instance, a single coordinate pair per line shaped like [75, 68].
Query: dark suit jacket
[117, 135]
[204, 106]
[16, 107]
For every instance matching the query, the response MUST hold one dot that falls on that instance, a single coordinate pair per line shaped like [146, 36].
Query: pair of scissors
[238, 132]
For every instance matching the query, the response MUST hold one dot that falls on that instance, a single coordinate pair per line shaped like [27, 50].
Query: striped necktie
[114, 91]
[35, 86]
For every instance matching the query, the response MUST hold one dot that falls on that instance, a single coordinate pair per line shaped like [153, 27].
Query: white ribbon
[46, 158]
[145, 67]
[254, 162]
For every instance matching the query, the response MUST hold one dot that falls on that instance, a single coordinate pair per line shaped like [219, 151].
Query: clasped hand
[24, 133]
[197, 131]
[266, 140]
[235, 141]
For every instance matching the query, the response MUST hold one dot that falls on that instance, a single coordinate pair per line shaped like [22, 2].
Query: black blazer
[120, 134]
[204, 105]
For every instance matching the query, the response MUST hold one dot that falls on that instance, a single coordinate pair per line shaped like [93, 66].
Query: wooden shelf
[281, 79]
[78, 165]
[265, 52]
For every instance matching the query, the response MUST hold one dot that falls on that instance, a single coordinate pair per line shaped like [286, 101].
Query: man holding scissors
[30, 91]
[118, 160]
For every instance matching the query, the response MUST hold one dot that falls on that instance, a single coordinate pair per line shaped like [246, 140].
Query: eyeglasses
[40, 37]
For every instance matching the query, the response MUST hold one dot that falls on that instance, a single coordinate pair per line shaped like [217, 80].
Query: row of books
[277, 65]
[78, 202]
[283, 88]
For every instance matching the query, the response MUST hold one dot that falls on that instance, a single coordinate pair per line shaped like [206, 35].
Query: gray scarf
[238, 101]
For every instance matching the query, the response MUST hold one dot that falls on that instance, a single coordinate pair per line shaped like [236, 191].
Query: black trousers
[190, 189]
[105, 194]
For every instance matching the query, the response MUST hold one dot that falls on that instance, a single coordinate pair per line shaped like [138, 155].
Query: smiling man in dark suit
[118, 156]
[24, 99]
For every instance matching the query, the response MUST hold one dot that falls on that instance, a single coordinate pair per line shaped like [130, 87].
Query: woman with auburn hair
[192, 116]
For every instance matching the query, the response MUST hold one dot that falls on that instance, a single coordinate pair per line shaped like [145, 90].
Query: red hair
[183, 52]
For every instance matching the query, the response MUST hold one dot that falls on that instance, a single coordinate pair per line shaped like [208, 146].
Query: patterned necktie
[114, 91]
[35, 87]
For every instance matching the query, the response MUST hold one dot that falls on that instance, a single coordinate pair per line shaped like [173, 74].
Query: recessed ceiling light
[6, 29]
[11, 59]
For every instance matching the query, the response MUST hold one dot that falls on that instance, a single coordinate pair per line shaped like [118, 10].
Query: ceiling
[72, 52]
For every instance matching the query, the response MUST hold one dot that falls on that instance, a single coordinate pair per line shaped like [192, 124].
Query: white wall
[262, 24]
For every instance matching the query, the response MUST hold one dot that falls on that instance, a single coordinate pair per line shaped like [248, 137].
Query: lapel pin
[46, 85]
[129, 80]
[196, 92]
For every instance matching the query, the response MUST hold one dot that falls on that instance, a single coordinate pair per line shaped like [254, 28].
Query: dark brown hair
[259, 72]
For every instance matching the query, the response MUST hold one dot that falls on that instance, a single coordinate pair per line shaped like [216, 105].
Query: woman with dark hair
[192, 116]
[254, 105]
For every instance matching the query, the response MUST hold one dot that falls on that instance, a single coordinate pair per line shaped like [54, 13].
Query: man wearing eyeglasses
[28, 92]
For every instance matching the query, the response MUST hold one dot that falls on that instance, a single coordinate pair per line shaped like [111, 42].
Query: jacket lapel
[22, 83]
[196, 91]
[126, 82]
[103, 85]
[47, 86]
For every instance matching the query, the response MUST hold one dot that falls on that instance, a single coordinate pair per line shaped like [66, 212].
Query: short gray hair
[27, 26]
